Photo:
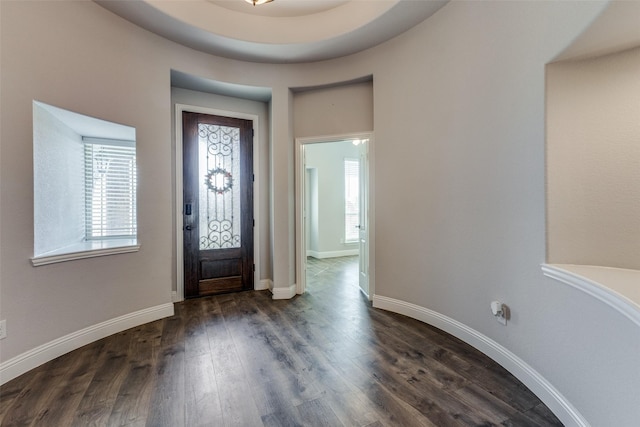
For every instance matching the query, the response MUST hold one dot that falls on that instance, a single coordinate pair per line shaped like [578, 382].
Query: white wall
[328, 161]
[593, 161]
[334, 110]
[459, 119]
[459, 125]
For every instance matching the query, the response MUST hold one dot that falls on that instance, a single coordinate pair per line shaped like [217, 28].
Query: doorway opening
[332, 211]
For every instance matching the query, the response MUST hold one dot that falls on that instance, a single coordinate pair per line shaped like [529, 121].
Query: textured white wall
[459, 126]
[593, 161]
[58, 164]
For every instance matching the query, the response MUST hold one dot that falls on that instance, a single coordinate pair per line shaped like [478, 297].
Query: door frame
[300, 185]
[178, 232]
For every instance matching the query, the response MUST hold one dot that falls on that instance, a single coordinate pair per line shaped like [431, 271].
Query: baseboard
[542, 388]
[332, 254]
[35, 357]
[264, 284]
[283, 293]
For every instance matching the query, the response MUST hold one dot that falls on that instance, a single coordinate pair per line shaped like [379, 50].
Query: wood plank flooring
[326, 358]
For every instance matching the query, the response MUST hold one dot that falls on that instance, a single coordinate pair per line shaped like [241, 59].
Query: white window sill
[617, 287]
[88, 249]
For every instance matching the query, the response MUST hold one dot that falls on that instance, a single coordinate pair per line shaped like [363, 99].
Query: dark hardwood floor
[322, 359]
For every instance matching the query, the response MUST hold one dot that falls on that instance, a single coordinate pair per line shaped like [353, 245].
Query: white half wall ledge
[282, 292]
[619, 288]
[37, 356]
[542, 388]
[84, 250]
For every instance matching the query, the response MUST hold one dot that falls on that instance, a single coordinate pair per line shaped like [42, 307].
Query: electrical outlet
[500, 312]
[3, 329]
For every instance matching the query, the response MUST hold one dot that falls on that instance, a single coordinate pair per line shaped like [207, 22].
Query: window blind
[110, 189]
[351, 199]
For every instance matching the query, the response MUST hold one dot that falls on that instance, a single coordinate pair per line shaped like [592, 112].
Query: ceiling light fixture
[256, 2]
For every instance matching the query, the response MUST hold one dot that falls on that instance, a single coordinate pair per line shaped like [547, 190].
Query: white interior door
[364, 218]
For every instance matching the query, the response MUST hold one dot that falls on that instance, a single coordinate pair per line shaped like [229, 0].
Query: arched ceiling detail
[617, 28]
[231, 28]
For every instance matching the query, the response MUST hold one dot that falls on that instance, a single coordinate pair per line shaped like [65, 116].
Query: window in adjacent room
[351, 200]
[84, 186]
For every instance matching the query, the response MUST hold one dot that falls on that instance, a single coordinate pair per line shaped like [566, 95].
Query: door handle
[188, 228]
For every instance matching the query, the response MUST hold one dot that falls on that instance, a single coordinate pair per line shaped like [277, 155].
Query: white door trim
[300, 177]
[179, 108]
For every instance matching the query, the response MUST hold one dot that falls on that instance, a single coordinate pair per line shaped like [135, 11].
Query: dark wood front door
[218, 204]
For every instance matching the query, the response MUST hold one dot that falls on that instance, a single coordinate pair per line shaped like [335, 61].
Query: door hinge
[253, 133]
[253, 177]
[254, 267]
[254, 222]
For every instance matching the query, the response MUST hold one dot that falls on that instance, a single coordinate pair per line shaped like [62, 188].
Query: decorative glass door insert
[219, 168]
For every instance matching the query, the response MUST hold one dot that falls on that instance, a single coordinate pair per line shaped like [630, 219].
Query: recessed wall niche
[85, 185]
[593, 161]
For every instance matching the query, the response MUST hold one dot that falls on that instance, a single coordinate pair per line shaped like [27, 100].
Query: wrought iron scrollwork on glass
[220, 236]
[219, 165]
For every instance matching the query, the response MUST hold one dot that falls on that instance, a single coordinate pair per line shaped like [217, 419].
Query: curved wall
[459, 127]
